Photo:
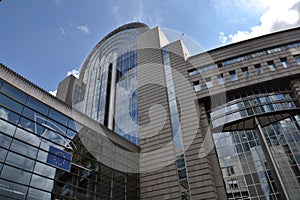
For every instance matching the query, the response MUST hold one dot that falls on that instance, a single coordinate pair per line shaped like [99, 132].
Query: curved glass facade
[126, 110]
[42, 156]
[109, 79]
[250, 106]
[249, 158]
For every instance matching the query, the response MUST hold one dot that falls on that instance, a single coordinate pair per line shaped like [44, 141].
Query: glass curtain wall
[42, 156]
[110, 78]
[126, 111]
[176, 129]
[245, 167]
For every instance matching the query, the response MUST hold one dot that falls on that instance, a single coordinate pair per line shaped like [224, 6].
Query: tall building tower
[107, 77]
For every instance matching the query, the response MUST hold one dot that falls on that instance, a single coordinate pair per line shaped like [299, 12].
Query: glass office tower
[109, 82]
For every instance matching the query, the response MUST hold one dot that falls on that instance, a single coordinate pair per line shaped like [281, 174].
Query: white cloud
[83, 28]
[279, 15]
[233, 7]
[62, 30]
[53, 92]
[223, 38]
[74, 72]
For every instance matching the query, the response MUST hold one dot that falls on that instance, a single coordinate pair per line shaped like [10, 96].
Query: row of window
[284, 149]
[20, 98]
[251, 163]
[193, 72]
[245, 71]
[240, 153]
[126, 124]
[97, 77]
[36, 116]
[252, 111]
[176, 130]
[250, 101]
[244, 173]
[25, 163]
[33, 130]
[28, 128]
[261, 53]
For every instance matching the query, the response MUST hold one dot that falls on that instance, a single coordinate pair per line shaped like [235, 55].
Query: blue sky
[43, 40]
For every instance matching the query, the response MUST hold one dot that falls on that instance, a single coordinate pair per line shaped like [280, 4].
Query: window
[285, 63]
[38, 106]
[41, 182]
[9, 115]
[184, 185]
[13, 92]
[18, 189]
[11, 104]
[197, 86]
[7, 128]
[192, 72]
[229, 170]
[271, 65]
[221, 79]
[233, 184]
[182, 174]
[258, 68]
[180, 163]
[233, 75]
[16, 175]
[209, 83]
[19, 161]
[298, 59]
[58, 117]
[245, 71]
[108, 90]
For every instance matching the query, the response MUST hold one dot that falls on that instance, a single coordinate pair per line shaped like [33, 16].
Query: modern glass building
[106, 79]
[148, 120]
[43, 153]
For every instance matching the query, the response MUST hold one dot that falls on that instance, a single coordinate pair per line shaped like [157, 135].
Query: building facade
[255, 128]
[148, 120]
[43, 149]
[106, 78]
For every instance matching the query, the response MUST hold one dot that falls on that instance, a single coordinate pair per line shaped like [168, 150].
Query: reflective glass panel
[13, 92]
[11, 104]
[38, 106]
[15, 175]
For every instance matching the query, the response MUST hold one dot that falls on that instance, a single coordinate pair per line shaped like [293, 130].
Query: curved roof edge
[122, 28]
[132, 25]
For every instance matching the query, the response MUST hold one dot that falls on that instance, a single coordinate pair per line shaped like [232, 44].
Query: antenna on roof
[182, 34]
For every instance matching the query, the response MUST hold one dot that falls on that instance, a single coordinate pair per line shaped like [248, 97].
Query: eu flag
[59, 158]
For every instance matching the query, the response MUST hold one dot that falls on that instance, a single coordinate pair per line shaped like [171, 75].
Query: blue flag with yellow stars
[59, 158]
